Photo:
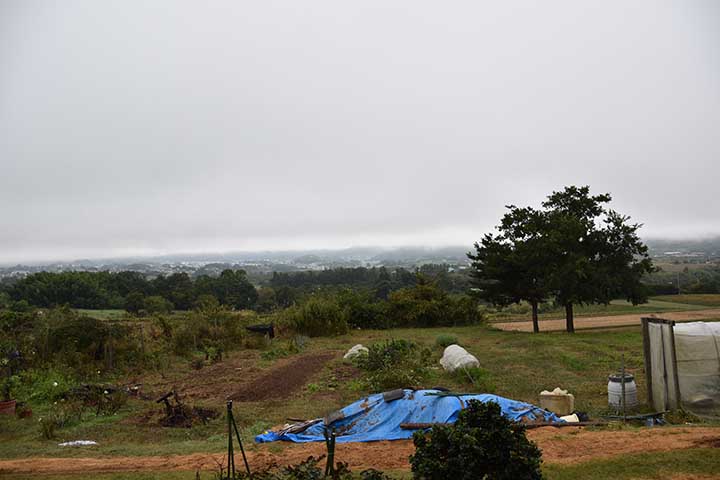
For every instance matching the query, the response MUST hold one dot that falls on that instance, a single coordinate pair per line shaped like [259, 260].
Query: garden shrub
[317, 317]
[427, 305]
[482, 444]
[394, 364]
[445, 340]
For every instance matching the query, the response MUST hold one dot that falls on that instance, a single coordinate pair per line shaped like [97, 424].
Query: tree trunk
[569, 318]
[536, 325]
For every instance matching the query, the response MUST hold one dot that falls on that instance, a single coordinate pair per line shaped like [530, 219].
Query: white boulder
[456, 357]
[355, 351]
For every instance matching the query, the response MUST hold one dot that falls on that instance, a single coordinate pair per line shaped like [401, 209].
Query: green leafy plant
[63, 413]
[445, 340]
[394, 364]
[481, 444]
[9, 385]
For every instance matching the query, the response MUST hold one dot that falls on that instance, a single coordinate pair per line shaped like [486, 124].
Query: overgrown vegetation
[394, 364]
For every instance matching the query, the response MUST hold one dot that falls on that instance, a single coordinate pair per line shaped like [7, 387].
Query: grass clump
[445, 340]
[480, 379]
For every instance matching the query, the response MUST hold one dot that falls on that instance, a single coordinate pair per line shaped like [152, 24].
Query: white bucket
[615, 391]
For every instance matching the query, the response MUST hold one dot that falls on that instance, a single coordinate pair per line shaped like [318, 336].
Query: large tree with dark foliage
[513, 265]
[573, 249]
[597, 255]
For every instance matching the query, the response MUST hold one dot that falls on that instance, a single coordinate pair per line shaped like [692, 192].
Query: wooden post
[648, 360]
[674, 364]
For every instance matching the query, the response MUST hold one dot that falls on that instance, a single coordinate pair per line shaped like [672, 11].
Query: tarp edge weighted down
[372, 419]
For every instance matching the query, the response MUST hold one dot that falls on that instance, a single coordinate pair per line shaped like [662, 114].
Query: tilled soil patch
[211, 384]
[283, 381]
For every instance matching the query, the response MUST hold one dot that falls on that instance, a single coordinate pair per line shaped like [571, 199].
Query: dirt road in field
[559, 446]
[611, 320]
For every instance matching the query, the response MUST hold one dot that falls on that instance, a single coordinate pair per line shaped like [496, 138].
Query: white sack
[456, 357]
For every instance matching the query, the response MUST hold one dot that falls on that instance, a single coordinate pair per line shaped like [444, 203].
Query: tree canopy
[573, 250]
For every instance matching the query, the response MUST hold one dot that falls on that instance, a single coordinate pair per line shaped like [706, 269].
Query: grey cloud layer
[157, 126]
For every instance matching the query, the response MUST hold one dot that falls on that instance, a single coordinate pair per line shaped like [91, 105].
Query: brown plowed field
[239, 378]
[559, 446]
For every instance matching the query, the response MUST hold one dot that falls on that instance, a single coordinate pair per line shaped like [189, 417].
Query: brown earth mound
[282, 381]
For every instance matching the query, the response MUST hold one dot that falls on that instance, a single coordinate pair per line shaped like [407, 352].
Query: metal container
[615, 387]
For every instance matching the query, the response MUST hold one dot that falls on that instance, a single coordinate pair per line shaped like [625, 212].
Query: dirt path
[559, 446]
[611, 320]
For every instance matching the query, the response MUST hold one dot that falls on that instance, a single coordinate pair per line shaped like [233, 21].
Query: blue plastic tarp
[372, 418]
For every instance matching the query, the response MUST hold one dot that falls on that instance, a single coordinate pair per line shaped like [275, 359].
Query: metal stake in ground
[230, 453]
[232, 427]
[622, 387]
[330, 444]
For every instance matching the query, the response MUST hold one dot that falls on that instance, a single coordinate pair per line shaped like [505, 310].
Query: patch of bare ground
[238, 377]
[575, 445]
[609, 321]
[282, 381]
[559, 446]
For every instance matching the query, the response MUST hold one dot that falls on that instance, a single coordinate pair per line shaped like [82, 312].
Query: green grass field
[705, 300]
[516, 365]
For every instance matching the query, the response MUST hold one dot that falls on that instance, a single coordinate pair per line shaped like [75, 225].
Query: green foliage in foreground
[481, 444]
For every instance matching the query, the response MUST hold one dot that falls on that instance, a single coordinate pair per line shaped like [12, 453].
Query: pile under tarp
[372, 418]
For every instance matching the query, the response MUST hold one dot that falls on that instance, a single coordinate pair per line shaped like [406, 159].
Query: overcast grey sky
[144, 127]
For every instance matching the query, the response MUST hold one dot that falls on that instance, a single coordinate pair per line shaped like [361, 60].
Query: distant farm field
[706, 300]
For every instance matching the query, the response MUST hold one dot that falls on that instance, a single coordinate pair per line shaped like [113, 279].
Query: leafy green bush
[363, 309]
[445, 340]
[44, 385]
[317, 317]
[394, 364]
[216, 328]
[63, 414]
[155, 304]
[481, 444]
[427, 305]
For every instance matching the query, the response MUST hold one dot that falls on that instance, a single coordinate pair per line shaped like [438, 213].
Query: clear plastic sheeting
[697, 348]
[662, 368]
